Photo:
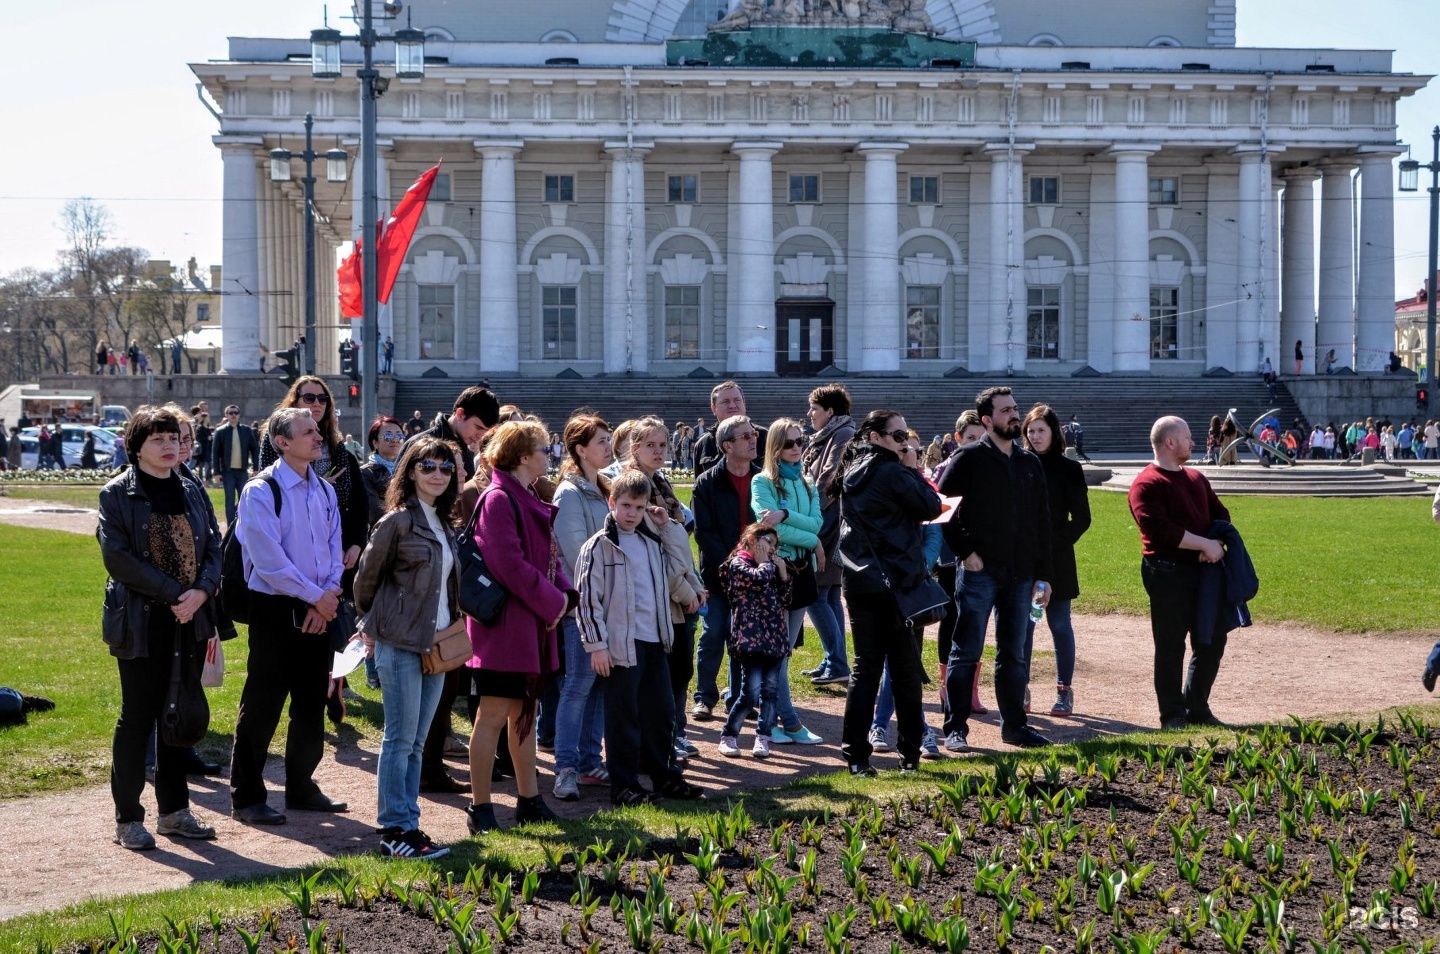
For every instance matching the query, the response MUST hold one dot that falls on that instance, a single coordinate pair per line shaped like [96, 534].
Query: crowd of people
[588, 628]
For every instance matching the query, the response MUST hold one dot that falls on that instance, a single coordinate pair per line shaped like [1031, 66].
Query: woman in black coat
[1069, 519]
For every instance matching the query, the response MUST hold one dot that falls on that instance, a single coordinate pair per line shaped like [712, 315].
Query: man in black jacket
[235, 452]
[726, 401]
[476, 411]
[722, 509]
[1001, 536]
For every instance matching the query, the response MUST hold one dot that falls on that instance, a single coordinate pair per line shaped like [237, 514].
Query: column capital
[880, 150]
[1337, 165]
[1369, 155]
[498, 148]
[756, 148]
[1255, 152]
[620, 149]
[998, 151]
[1132, 151]
[1300, 174]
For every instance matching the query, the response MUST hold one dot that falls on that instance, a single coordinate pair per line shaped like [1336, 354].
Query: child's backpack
[234, 591]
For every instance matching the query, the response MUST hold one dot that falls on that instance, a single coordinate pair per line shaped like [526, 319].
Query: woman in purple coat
[519, 652]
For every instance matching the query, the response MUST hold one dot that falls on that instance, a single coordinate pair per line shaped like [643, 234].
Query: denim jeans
[1062, 634]
[713, 635]
[979, 593]
[410, 698]
[828, 615]
[682, 668]
[759, 685]
[580, 717]
[233, 481]
[885, 703]
[785, 715]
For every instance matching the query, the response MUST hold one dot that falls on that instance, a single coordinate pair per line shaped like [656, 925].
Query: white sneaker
[567, 789]
[729, 746]
[879, 741]
[762, 747]
[183, 824]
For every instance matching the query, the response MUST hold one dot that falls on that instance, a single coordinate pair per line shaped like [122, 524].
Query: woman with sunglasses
[342, 470]
[385, 439]
[883, 503]
[782, 497]
[411, 554]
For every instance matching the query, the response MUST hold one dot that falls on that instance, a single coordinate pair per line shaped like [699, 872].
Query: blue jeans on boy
[759, 684]
[580, 716]
[979, 593]
[714, 633]
[410, 698]
[828, 615]
[1062, 634]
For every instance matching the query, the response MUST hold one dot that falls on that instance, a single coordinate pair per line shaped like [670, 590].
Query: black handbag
[804, 590]
[920, 605]
[481, 597]
[186, 716]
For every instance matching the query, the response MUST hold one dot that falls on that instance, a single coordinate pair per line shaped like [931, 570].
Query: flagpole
[370, 320]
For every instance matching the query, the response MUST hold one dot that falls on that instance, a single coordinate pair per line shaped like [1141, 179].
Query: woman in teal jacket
[782, 497]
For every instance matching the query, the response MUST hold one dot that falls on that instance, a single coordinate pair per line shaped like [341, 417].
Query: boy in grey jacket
[624, 618]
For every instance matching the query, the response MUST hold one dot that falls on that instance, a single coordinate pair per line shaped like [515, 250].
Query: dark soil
[1341, 824]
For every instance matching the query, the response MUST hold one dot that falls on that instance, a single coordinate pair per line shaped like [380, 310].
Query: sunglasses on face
[232, 413]
[430, 466]
[793, 442]
[392, 437]
[898, 436]
[315, 398]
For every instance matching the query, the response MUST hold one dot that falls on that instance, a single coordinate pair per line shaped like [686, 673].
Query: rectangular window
[1164, 191]
[1044, 190]
[1164, 324]
[1042, 323]
[682, 322]
[437, 321]
[922, 321]
[804, 187]
[683, 190]
[202, 313]
[559, 188]
[440, 190]
[558, 317]
[924, 190]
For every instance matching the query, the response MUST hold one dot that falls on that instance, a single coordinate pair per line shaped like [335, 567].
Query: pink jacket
[522, 559]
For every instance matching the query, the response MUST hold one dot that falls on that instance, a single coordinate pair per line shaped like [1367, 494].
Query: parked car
[74, 445]
[114, 415]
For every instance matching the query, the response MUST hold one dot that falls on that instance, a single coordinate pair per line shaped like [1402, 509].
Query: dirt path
[1270, 671]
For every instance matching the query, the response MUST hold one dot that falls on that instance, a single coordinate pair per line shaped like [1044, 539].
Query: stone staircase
[1116, 411]
[1308, 479]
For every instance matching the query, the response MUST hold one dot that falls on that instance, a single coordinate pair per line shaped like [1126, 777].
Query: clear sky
[96, 99]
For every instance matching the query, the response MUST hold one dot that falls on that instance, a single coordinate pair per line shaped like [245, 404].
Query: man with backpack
[292, 567]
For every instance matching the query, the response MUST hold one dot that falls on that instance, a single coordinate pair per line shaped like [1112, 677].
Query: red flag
[348, 280]
[399, 229]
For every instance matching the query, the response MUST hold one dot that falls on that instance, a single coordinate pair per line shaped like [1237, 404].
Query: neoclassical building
[873, 186]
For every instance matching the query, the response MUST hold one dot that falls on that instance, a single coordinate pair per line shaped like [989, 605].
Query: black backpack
[234, 591]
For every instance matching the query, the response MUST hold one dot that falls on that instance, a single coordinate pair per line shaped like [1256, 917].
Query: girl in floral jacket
[758, 588]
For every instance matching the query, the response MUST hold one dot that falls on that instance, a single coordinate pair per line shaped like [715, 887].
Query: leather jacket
[136, 587]
[397, 583]
[882, 505]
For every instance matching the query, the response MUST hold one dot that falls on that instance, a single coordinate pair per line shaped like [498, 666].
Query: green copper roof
[820, 47]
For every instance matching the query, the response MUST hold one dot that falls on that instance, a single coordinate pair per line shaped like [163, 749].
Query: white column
[1375, 292]
[1007, 257]
[1132, 256]
[1248, 242]
[1297, 302]
[1100, 337]
[626, 313]
[1270, 336]
[499, 287]
[1222, 269]
[270, 305]
[1336, 327]
[879, 322]
[752, 256]
[240, 251]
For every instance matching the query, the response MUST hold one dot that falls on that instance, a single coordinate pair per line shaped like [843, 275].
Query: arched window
[559, 36]
[439, 33]
[1045, 39]
[1164, 41]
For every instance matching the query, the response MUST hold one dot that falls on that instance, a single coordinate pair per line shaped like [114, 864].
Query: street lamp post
[409, 63]
[1409, 182]
[335, 160]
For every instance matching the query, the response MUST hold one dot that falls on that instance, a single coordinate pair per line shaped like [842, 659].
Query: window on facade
[1044, 190]
[1164, 191]
[1042, 323]
[202, 313]
[683, 189]
[437, 321]
[924, 190]
[1164, 323]
[558, 316]
[559, 188]
[922, 321]
[804, 187]
[440, 190]
[682, 322]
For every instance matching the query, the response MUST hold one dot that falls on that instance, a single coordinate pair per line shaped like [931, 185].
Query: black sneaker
[529, 811]
[864, 771]
[480, 819]
[414, 843]
[680, 790]
[1026, 738]
[909, 768]
[626, 797]
[1208, 719]
[1175, 722]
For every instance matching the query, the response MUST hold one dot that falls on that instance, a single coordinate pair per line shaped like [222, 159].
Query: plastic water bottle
[1037, 611]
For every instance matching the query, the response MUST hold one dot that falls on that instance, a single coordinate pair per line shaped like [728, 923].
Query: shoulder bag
[481, 596]
[920, 605]
[449, 653]
[186, 716]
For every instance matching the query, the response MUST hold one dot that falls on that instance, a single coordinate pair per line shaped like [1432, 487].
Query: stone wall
[1341, 398]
